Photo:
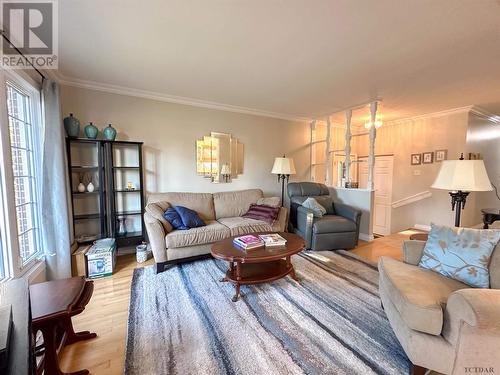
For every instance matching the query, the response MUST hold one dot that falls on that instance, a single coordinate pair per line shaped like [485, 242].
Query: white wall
[169, 132]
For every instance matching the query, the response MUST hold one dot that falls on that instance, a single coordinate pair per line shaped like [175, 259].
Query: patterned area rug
[183, 321]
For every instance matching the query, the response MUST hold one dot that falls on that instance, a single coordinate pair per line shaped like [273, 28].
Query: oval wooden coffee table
[259, 265]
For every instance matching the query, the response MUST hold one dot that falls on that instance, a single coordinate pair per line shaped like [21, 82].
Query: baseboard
[366, 237]
[427, 228]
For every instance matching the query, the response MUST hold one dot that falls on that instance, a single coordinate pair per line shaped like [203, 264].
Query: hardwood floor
[107, 312]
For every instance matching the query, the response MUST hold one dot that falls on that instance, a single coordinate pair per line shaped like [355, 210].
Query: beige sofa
[221, 212]
[442, 324]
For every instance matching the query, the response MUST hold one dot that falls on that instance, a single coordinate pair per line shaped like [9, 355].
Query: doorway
[382, 180]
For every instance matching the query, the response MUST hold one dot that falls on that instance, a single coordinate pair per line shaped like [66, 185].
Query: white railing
[411, 199]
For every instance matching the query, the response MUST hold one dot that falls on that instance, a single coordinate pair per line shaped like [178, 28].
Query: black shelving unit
[121, 170]
[113, 196]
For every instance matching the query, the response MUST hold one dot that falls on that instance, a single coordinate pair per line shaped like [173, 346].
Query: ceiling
[290, 58]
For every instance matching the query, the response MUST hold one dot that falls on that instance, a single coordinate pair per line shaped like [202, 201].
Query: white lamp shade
[464, 175]
[283, 166]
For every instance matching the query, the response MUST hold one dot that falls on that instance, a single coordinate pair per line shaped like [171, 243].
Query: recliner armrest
[305, 217]
[348, 212]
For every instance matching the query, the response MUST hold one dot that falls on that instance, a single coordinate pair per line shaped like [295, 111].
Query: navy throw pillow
[173, 217]
[189, 217]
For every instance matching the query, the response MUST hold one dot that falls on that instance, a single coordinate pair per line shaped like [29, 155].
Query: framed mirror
[219, 157]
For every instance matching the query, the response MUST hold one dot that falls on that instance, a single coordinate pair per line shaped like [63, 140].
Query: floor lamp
[283, 167]
[460, 177]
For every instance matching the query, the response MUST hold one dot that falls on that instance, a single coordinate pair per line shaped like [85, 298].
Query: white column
[327, 159]
[312, 149]
[372, 135]
[348, 116]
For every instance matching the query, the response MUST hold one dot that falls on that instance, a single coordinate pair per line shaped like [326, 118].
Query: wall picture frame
[428, 157]
[416, 159]
[441, 155]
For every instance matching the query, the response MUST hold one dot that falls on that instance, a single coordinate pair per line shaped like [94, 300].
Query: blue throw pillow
[189, 217]
[173, 217]
[460, 253]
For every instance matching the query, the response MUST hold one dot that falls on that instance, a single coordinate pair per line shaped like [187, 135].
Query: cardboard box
[101, 258]
[78, 261]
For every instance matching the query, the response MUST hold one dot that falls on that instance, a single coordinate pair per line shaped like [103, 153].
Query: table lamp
[461, 177]
[283, 167]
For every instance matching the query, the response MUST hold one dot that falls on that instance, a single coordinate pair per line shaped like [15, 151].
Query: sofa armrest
[305, 218]
[412, 251]
[472, 326]
[156, 235]
[348, 212]
[281, 222]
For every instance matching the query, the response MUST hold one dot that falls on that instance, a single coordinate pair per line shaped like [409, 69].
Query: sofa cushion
[242, 225]
[270, 201]
[460, 253]
[418, 294]
[202, 203]
[333, 224]
[495, 268]
[157, 210]
[212, 232]
[235, 203]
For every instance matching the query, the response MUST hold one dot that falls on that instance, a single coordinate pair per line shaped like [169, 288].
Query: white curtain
[55, 207]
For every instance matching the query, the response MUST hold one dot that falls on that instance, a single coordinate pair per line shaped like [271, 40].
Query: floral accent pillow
[460, 253]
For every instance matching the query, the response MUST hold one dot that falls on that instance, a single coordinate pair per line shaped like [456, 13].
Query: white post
[348, 116]
[312, 149]
[372, 134]
[327, 161]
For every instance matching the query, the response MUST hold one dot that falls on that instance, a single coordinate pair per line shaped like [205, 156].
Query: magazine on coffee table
[248, 242]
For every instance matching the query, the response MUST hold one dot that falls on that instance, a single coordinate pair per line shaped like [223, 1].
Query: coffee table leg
[290, 265]
[238, 278]
[231, 267]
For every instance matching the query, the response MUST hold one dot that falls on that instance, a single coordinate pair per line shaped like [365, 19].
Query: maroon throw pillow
[262, 212]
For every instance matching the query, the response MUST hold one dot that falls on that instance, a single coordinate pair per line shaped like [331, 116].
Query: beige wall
[169, 132]
[404, 138]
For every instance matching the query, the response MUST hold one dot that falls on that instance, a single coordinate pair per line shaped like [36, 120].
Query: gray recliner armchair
[338, 229]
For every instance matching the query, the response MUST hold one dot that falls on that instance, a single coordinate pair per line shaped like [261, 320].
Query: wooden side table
[53, 303]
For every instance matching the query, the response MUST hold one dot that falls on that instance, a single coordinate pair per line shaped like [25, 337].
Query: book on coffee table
[272, 239]
[248, 242]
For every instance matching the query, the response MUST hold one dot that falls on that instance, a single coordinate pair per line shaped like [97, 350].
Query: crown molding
[481, 112]
[152, 95]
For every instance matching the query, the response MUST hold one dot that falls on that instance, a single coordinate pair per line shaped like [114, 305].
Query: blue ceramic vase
[72, 126]
[109, 133]
[91, 131]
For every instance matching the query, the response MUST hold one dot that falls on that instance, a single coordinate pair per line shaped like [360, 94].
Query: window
[23, 168]
[20, 233]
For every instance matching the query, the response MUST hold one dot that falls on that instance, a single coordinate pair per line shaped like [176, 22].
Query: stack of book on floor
[272, 240]
[248, 242]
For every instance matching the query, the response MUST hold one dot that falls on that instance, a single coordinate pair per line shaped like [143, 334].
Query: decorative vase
[81, 187]
[90, 187]
[109, 133]
[122, 231]
[141, 253]
[72, 126]
[91, 131]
